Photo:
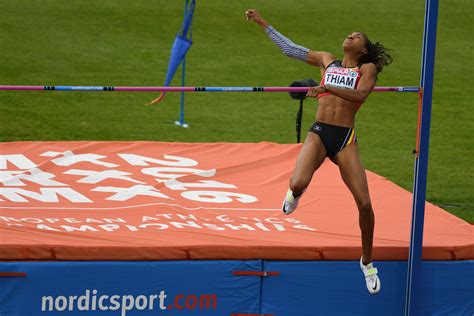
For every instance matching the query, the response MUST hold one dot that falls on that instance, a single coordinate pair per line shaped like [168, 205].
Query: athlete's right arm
[290, 49]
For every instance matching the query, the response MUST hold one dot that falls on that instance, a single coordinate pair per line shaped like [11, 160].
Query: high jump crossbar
[184, 89]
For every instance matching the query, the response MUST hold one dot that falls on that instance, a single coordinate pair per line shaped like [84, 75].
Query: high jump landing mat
[145, 228]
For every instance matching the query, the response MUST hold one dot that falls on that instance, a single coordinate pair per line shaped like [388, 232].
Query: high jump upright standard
[421, 158]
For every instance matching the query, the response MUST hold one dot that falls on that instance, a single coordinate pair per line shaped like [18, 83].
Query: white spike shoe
[290, 203]
[372, 281]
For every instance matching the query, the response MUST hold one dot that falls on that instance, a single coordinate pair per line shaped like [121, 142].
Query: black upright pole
[299, 115]
[300, 96]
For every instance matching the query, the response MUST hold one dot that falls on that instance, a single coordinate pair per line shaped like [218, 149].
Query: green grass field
[117, 42]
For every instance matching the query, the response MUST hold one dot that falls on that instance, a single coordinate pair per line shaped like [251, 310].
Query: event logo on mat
[119, 179]
[111, 188]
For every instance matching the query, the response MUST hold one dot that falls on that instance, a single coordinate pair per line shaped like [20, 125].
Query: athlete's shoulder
[319, 59]
[368, 68]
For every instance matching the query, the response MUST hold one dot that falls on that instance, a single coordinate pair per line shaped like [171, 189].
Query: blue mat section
[338, 288]
[204, 288]
[210, 288]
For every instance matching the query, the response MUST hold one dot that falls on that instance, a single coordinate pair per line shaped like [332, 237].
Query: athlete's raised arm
[290, 49]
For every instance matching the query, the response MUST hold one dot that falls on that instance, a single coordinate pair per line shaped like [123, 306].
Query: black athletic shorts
[334, 137]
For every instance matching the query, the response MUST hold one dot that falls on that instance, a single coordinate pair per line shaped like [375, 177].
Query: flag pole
[181, 122]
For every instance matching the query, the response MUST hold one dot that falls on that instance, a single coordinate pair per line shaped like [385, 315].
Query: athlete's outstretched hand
[314, 91]
[254, 15]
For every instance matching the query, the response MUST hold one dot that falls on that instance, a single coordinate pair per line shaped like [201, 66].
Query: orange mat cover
[175, 201]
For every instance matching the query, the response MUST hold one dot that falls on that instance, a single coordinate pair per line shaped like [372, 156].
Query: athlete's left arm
[368, 76]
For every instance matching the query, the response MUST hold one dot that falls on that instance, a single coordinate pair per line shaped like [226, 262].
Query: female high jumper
[345, 85]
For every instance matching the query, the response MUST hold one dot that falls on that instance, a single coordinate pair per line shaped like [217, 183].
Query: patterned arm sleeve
[287, 47]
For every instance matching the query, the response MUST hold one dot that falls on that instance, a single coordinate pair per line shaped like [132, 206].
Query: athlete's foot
[372, 281]
[290, 203]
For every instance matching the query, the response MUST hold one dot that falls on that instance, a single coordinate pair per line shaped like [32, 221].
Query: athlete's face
[355, 42]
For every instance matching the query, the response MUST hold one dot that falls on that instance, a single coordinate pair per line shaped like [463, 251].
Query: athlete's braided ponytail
[377, 54]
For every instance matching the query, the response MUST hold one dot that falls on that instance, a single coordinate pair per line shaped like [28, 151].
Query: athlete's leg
[353, 174]
[309, 160]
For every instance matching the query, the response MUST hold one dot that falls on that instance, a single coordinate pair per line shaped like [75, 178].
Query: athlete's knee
[364, 206]
[298, 184]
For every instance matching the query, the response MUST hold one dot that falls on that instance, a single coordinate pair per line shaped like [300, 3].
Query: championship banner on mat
[159, 201]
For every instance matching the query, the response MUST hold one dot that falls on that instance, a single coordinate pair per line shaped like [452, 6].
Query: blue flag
[180, 47]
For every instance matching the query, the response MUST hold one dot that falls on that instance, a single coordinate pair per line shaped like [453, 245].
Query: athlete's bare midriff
[336, 111]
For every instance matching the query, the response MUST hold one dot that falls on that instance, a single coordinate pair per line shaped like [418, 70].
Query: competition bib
[341, 77]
